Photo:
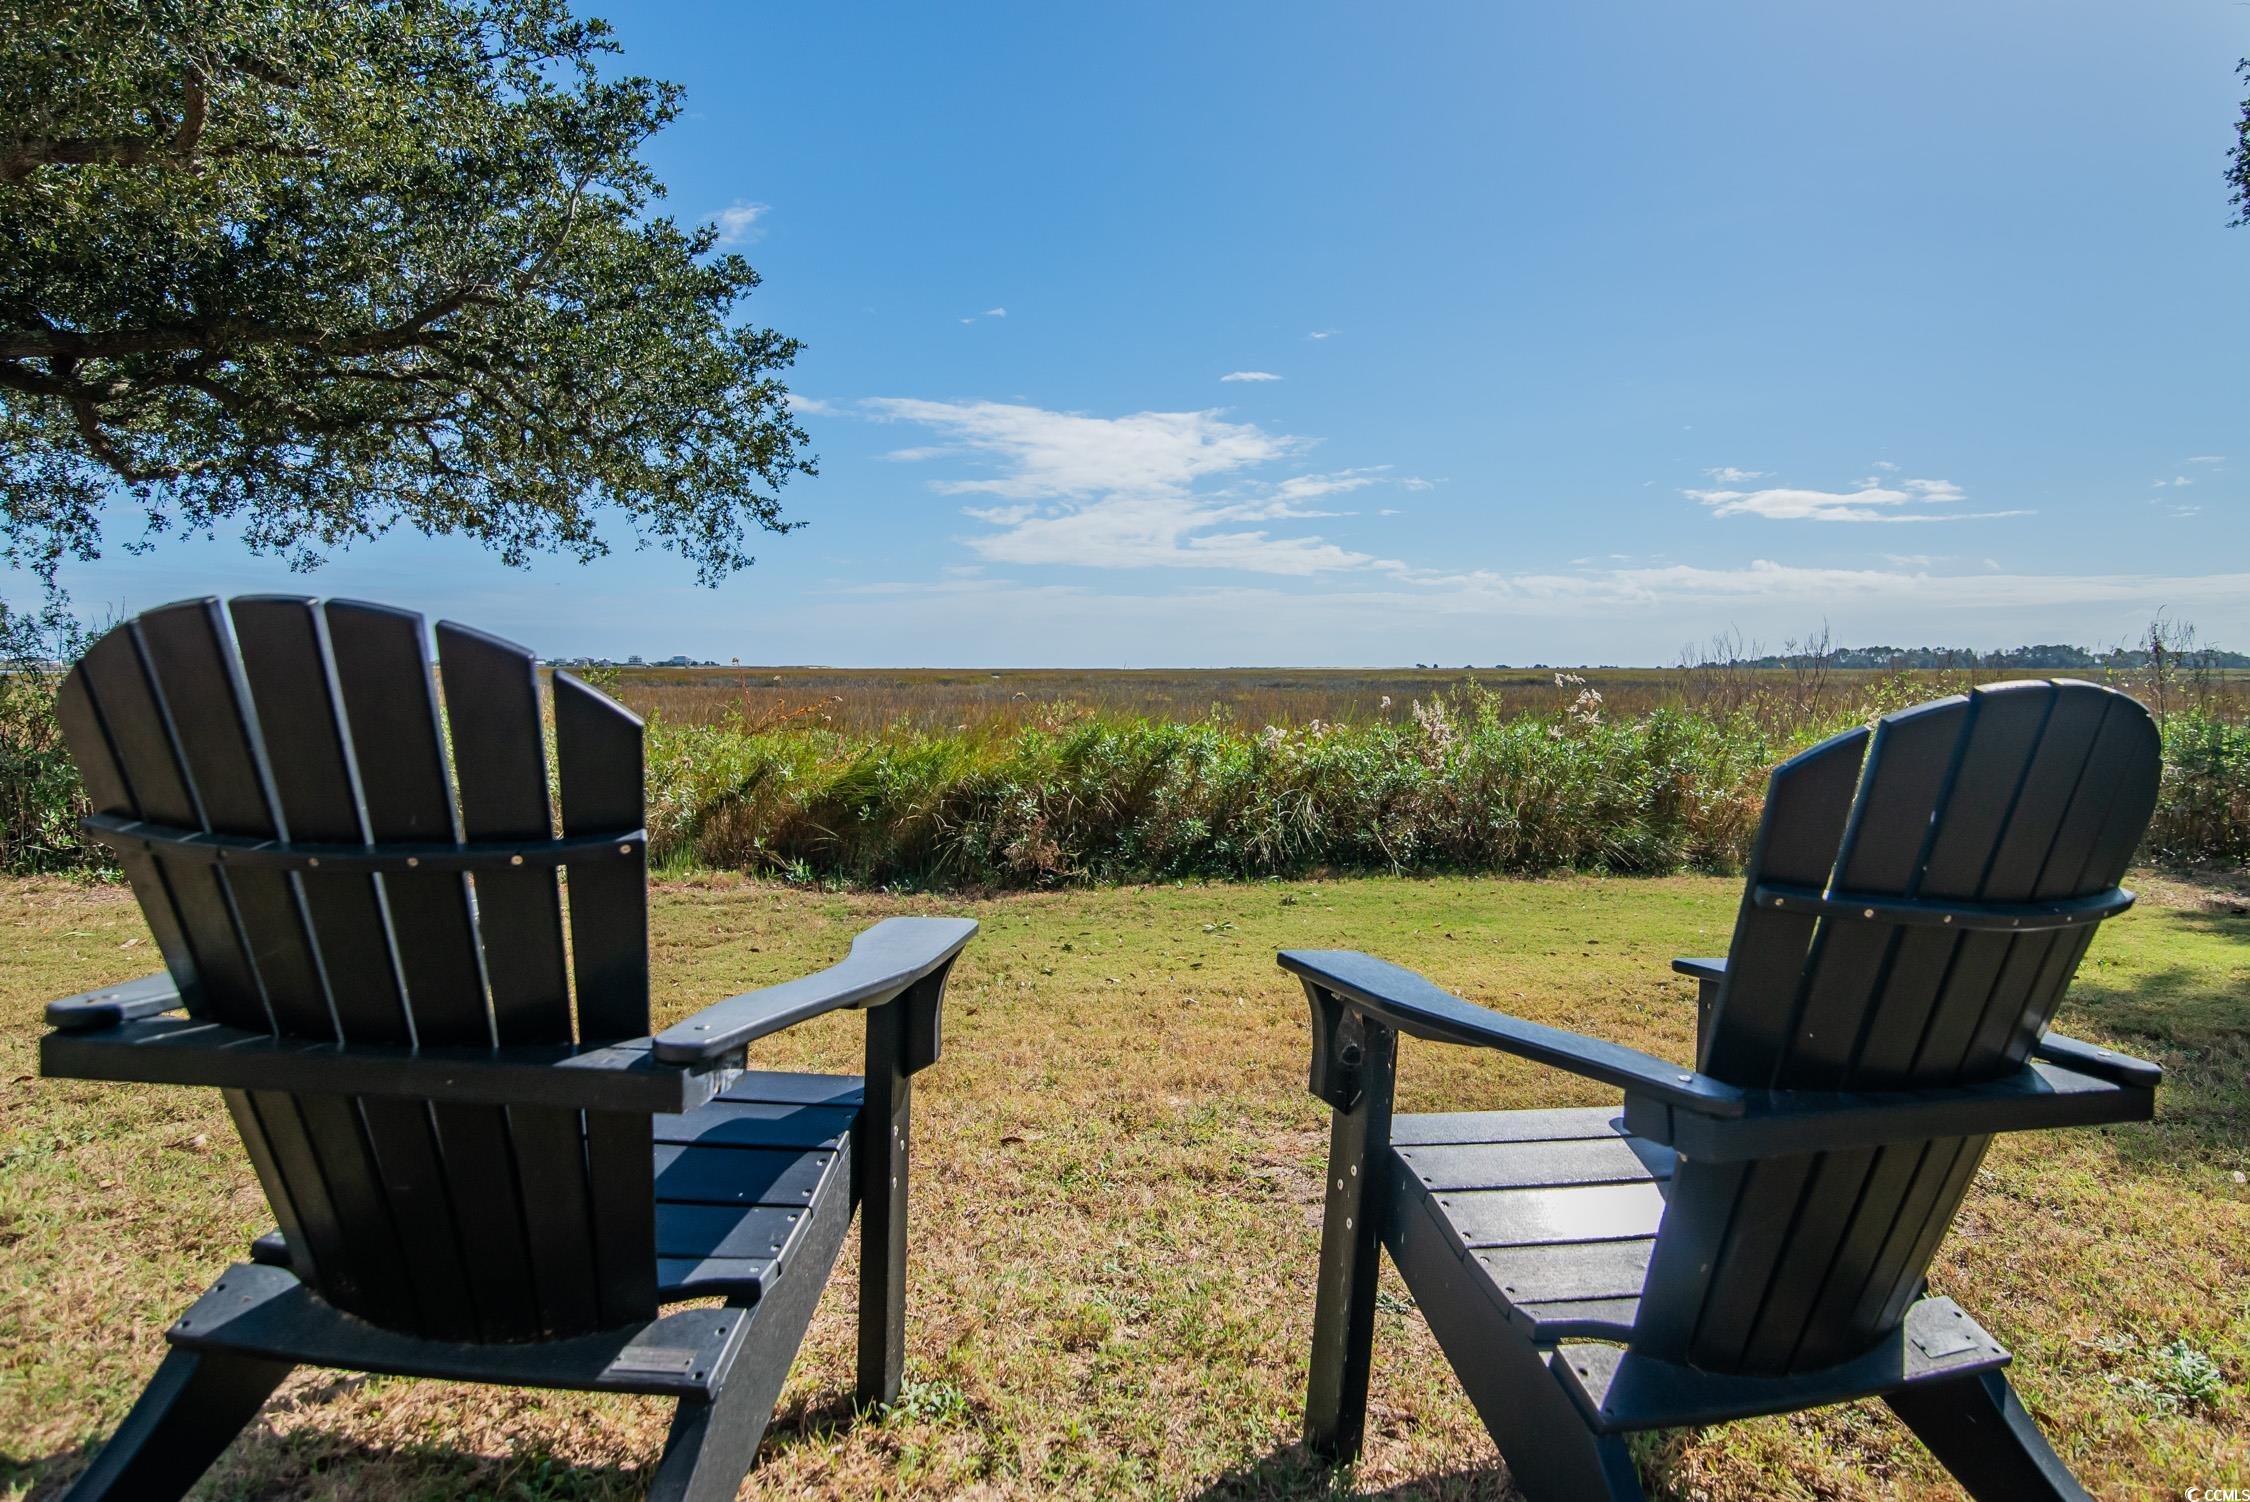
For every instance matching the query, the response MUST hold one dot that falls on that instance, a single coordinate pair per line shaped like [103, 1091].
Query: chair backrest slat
[117, 679]
[2084, 804]
[2010, 793]
[599, 766]
[189, 660]
[113, 671]
[320, 1145]
[598, 762]
[284, 667]
[284, 719]
[390, 706]
[499, 763]
[109, 793]
[1941, 782]
[1808, 800]
[1909, 771]
[285, 664]
[1967, 860]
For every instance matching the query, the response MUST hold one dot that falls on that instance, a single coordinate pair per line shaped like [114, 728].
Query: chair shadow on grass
[1293, 1472]
[285, 1462]
[2174, 1008]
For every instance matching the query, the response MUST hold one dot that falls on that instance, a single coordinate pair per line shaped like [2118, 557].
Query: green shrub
[2203, 811]
[1461, 786]
[1101, 799]
[41, 800]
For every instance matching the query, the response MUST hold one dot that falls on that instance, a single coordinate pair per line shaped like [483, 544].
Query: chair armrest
[149, 996]
[1702, 970]
[2102, 1063]
[1406, 1001]
[884, 961]
[189, 1051]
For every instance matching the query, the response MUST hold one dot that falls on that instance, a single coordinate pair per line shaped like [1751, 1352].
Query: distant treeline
[2046, 657]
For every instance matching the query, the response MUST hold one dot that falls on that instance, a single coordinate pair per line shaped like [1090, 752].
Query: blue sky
[1232, 333]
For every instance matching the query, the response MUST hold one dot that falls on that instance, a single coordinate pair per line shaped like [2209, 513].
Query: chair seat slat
[1527, 1165]
[738, 1175]
[1538, 1217]
[757, 1124]
[1563, 1124]
[1569, 1270]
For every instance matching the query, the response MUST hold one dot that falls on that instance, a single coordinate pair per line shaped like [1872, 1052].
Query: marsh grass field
[1117, 1173]
[869, 701]
[982, 780]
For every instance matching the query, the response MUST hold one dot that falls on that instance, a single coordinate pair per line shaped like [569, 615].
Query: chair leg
[1343, 1345]
[1978, 1430]
[880, 1160]
[712, 1444]
[1564, 1461]
[1553, 1453]
[195, 1404]
[713, 1441]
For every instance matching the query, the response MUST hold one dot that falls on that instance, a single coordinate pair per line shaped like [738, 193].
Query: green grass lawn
[1116, 1204]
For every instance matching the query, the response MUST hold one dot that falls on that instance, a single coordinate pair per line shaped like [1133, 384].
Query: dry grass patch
[1115, 1213]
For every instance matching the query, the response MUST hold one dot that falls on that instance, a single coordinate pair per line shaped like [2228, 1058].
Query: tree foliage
[320, 269]
[2238, 160]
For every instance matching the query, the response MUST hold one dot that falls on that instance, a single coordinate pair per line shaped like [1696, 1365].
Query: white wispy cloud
[1147, 489]
[995, 312]
[1198, 491]
[1668, 587]
[2206, 459]
[1768, 580]
[1900, 502]
[1249, 375]
[1886, 466]
[1727, 474]
[1164, 531]
[1323, 334]
[1306, 487]
[799, 402]
[2175, 480]
[1001, 516]
[1010, 616]
[1046, 455]
[738, 222]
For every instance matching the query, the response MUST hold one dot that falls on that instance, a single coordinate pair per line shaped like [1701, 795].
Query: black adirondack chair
[367, 938]
[1751, 1236]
